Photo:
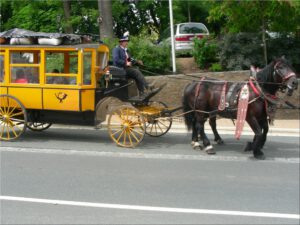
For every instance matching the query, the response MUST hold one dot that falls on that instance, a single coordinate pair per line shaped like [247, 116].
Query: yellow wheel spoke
[16, 120]
[14, 132]
[138, 132]
[135, 137]
[127, 115]
[129, 137]
[10, 111]
[124, 139]
[17, 114]
[2, 130]
[1, 111]
[120, 136]
[8, 131]
[113, 134]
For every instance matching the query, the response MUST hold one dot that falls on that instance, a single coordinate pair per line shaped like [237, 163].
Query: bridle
[283, 76]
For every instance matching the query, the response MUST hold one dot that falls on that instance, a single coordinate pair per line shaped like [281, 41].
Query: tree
[67, 13]
[33, 15]
[256, 16]
[106, 21]
[50, 15]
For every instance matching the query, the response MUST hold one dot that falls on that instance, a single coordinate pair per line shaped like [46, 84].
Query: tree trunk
[264, 43]
[263, 28]
[67, 11]
[106, 21]
[189, 11]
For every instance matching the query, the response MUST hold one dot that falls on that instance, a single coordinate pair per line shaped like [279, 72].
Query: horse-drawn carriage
[72, 84]
[44, 84]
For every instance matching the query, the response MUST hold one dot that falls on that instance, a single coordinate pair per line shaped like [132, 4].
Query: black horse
[208, 98]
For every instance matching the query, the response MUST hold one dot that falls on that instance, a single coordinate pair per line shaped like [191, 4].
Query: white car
[184, 33]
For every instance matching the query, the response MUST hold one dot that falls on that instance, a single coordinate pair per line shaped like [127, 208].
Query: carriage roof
[75, 46]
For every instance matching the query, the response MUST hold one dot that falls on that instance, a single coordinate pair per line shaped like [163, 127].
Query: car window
[194, 28]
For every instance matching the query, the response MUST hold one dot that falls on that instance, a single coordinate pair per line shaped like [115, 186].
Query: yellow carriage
[42, 85]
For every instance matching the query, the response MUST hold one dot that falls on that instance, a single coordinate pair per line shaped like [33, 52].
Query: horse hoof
[209, 150]
[196, 145]
[260, 156]
[248, 147]
[220, 142]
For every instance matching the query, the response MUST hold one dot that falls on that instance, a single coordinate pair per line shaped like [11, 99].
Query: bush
[286, 45]
[215, 67]
[204, 53]
[240, 51]
[156, 58]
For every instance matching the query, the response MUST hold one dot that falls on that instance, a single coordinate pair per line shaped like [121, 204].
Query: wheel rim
[157, 126]
[13, 118]
[36, 126]
[126, 127]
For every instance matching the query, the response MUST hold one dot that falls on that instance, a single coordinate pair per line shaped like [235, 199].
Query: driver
[122, 59]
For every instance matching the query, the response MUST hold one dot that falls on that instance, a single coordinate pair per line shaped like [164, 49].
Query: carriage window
[1, 68]
[102, 60]
[24, 75]
[25, 57]
[23, 66]
[87, 67]
[61, 67]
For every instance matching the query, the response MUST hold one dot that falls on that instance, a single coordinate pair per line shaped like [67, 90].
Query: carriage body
[64, 84]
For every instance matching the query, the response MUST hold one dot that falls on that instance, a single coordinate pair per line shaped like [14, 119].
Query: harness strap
[197, 91]
[253, 87]
[222, 103]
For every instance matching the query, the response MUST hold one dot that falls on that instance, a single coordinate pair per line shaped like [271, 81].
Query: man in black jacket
[122, 59]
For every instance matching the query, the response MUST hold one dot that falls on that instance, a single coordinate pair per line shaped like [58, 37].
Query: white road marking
[143, 155]
[151, 208]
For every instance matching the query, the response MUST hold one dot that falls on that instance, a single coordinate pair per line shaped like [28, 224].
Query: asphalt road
[79, 177]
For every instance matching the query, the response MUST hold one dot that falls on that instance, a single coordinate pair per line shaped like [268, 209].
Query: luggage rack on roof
[18, 36]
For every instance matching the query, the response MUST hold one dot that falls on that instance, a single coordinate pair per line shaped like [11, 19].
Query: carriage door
[62, 80]
[3, 90]
[88, 80]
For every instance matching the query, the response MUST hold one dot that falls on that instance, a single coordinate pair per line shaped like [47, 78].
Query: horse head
[285, 74]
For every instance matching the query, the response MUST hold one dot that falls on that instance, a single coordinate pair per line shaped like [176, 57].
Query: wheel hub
[6, 118]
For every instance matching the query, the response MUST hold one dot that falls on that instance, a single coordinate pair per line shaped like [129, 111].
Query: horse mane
[265, 75]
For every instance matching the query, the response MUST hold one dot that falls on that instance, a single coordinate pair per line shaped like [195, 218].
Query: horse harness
[228, 101]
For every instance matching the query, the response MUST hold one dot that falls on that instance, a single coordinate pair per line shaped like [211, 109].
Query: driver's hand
[140, 62]
[128, 64]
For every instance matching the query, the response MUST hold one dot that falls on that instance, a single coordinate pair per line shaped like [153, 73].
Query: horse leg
[208, 148]
[213, 125]
[265, 130]
[195, 135]
[258, 138]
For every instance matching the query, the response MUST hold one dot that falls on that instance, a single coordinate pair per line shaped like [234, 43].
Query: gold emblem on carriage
[61, 96]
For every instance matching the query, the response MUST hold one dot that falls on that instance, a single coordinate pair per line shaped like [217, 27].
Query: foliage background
[238, 28]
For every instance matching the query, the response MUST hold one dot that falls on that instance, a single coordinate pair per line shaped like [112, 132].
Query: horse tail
[188, 114]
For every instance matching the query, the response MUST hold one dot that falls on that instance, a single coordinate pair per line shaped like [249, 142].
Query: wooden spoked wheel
[13, 118]
[36, 126]
[126, 126]
[156, 125]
